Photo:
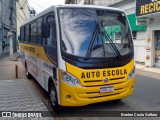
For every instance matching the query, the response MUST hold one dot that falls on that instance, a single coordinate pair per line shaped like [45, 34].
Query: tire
[29, 76]
[54, 99]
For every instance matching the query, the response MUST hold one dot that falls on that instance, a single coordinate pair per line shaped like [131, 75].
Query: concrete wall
[5, 26]
[140, 46]
[6, 14]
[153, 24]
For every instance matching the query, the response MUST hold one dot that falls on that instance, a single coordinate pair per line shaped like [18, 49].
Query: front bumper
[80, 96]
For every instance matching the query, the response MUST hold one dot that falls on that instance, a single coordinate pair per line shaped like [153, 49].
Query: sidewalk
[148, 69]
[18, 94]
[8, 68]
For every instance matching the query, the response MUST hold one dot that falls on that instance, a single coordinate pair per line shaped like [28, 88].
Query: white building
[150, 9]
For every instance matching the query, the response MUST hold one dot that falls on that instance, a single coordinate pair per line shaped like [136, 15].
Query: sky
[40, 5]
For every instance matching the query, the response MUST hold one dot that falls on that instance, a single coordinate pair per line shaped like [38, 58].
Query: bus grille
[95, 83]
[92, 88]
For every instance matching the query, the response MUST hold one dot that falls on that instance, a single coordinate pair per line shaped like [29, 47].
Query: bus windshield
[94, 33]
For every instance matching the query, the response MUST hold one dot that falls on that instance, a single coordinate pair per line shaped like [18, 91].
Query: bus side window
[33, 32]
[51, 42]
[39, 31]
[27, 33]
[22, 34]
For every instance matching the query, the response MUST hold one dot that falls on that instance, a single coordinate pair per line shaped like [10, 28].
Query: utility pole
[10, 34]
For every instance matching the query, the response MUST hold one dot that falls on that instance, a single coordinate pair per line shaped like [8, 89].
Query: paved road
[146, 97]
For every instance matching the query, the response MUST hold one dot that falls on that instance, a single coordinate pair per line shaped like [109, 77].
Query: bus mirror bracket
[19, 37]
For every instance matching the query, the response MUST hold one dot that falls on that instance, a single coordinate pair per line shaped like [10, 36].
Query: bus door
[51, 43]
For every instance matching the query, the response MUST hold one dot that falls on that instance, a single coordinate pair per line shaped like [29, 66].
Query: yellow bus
[80, 54]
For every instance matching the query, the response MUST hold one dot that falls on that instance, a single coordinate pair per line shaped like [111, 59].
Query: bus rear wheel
[54, 99]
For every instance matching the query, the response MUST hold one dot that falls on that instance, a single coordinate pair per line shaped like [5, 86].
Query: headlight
[70, 79]
[132, 74]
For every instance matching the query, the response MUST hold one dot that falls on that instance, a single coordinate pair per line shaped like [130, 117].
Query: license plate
[107, 89]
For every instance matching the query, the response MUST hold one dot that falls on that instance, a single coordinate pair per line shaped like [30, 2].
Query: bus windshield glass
[94, 33]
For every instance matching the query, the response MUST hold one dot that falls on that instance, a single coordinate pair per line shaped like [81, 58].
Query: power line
[37, 4]
[23, 9]
[45, 3]
[18, 15]
[23, 4]
[19, 3]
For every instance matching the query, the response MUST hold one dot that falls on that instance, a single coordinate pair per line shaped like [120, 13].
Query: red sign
[148, 57]
[148, 48]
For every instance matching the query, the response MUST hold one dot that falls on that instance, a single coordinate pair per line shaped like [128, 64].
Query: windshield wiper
[110, 40]
[94, 36]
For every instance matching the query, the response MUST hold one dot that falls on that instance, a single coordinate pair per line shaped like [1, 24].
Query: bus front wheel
[29, 76]
[54, 99]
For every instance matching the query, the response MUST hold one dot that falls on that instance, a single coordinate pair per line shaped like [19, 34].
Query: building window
[134, 33]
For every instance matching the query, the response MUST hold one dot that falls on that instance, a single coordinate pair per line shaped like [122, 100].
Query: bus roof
[87, 6]
[69, 6]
